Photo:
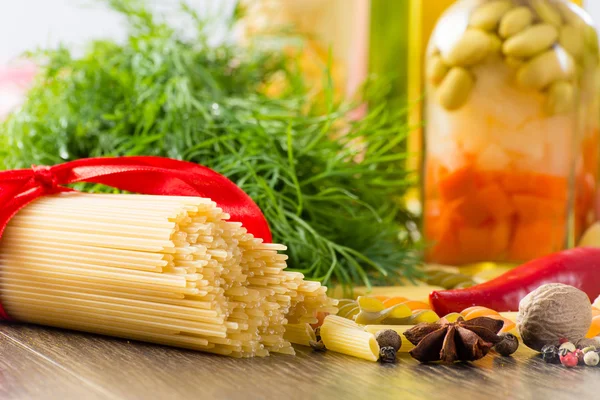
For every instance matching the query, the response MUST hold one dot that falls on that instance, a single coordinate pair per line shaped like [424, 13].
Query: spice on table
[569, 360]
[550, 354]
[389, 342]
[508, 345]
[586, 342]
[591, 358]
[318, 333]
[576, 267]
[389, 338]
[552, 312]
[588, 349]
[458, 341]
[317, 345]
[580, 355]
[566, 347]
[387, 354]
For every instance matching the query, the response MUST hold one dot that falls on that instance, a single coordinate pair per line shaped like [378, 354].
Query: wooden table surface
[45, 363]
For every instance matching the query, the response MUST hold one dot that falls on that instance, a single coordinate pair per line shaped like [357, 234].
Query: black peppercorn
[389, 338]
[550, 354]
[317, 346]
[387, 354]
[318, 333]
[508, 345]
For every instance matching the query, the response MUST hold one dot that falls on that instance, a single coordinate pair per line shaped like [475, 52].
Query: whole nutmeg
[552, 312]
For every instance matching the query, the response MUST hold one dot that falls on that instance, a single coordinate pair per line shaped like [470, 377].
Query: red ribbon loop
[145, 175]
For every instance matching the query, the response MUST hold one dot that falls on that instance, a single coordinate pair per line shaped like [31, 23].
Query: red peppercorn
[569, 360]
[579, 354]
[563, 340]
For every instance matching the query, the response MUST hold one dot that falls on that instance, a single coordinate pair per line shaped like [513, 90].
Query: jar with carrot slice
[512, 134]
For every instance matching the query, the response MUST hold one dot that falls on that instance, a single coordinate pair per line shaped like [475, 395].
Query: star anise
[454, 341]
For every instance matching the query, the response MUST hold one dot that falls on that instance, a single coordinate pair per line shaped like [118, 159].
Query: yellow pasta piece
[337, 320]
[370, 304]
[408, 291]
[424, 316]
[300, 334]
[349, 310]
[349, 339]
[453, 317]
[396, 312]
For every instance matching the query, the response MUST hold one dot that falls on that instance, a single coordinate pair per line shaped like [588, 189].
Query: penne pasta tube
[349, 339]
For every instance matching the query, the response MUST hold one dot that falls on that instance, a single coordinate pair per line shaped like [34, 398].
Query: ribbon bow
[146, 175]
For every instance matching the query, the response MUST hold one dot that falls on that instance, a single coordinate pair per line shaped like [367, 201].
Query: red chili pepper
[578, 267]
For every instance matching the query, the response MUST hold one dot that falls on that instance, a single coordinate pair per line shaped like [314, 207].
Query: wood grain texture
[46, 363]
[27, 374]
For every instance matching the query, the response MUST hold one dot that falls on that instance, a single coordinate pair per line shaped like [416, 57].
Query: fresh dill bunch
[327, 183]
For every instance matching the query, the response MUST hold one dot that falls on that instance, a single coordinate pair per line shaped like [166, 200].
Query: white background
[27, 24]
[593, 7]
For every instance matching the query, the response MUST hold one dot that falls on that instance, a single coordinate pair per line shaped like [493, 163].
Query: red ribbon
[146, 175]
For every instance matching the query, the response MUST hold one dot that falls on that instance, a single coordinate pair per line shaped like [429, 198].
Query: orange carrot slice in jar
[472, 211]
[474, 243]
[444, 247]
[458, 183]
[542, 185]
[534, 239]
[500, 238]
[530, 208]
[497, 202]
[551, 187]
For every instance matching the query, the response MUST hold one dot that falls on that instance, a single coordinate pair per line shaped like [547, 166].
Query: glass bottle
[512, 135]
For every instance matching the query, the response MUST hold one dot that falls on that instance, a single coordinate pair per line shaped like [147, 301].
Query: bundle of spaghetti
[165, 269]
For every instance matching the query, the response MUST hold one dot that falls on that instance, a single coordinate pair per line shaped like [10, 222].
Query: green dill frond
[325, 181]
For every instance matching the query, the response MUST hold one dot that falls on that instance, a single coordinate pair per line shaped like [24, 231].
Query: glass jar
[512, 134]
